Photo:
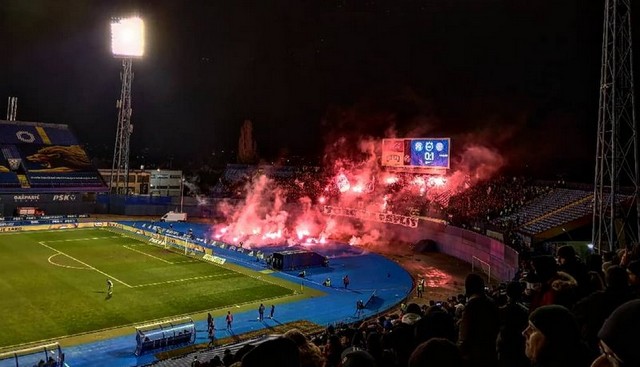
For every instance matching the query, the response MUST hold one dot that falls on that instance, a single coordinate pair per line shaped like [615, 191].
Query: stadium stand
[43, 166]
[44, 156]
[558, 207]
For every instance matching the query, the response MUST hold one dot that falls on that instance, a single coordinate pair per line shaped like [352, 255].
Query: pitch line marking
[87, 265]
[146, 254]
[181, 280]
[186, 261]
[63, 266]
[82, 239]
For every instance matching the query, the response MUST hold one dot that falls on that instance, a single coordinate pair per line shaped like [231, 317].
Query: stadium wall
[465, 245]
[457, 242]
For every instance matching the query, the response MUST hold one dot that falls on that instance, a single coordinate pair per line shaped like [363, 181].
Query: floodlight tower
[615, 206]
[127, 43]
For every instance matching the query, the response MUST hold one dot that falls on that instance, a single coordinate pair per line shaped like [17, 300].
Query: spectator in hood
[556, 287]
[570, 263]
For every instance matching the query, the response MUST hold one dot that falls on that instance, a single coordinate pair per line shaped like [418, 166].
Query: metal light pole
[181, 192]
[159, 182]
[616, 202]
[127, 43]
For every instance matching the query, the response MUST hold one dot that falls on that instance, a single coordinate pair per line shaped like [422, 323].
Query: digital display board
[430, 153]
[418, 152]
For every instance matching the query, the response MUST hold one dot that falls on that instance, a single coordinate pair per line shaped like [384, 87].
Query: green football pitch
[54, 284]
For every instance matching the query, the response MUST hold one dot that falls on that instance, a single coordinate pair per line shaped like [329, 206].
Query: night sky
[517, 76]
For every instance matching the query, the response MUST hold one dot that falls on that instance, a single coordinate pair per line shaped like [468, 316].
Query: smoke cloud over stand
[271, 213]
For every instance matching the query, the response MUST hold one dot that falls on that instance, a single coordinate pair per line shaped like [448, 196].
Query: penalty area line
[146, 254]
[181, 280]
[87, 265]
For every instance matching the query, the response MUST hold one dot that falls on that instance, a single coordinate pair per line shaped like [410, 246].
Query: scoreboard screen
[415, 153]
[430, 153]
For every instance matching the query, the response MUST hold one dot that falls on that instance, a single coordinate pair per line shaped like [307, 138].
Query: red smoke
[352, 178]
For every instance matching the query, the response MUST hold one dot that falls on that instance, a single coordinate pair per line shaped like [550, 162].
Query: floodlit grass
[53, 284]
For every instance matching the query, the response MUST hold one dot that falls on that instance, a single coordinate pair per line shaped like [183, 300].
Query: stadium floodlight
[127, 43]
[127, 37]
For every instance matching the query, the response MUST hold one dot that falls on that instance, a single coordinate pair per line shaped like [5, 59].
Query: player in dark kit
[109, 287]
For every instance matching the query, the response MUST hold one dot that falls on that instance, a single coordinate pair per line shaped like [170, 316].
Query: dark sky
[519, 76]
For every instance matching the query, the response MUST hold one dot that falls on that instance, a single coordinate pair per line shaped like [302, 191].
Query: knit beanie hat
[356, 357]
[473, 284]
[616, 277]
[556, 323]
[620, 332]
[567, 252]
[634, 267]
[280, 352]
[545, 267]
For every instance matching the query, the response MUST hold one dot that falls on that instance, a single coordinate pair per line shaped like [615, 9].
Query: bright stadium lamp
[127, 37]
[127, 43]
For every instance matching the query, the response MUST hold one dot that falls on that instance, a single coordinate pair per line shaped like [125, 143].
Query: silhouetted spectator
[555, 287]
[356, 357]
[633, 273]
[593, 310]
[310, 354]
[514, 318]
[479, 325]
[412, 314]
[436, 352]
[332, 351]
[383, 357]
[216, 361]
[237, 357]
[553, 339]
[402, 334]
[571, 264]
[227, 357]
[280, 352]
[436, 323]
[595, 272]
[619, 337]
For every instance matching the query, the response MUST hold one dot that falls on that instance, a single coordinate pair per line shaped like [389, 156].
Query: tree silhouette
[247, 148]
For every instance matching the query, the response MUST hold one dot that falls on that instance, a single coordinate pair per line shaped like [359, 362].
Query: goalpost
[481, 266]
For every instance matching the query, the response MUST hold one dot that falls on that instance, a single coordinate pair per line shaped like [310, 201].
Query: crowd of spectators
[492, 204]
[558, 312]
[495, 198]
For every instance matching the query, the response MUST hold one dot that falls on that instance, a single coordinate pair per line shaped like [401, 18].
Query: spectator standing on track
[229, 319]
[420, 287]
[261, 312]
[346, 281]
[212, 336]
[209, 320]
[273, 310]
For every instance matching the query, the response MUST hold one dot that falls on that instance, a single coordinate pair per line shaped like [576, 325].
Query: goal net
[481, 267]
